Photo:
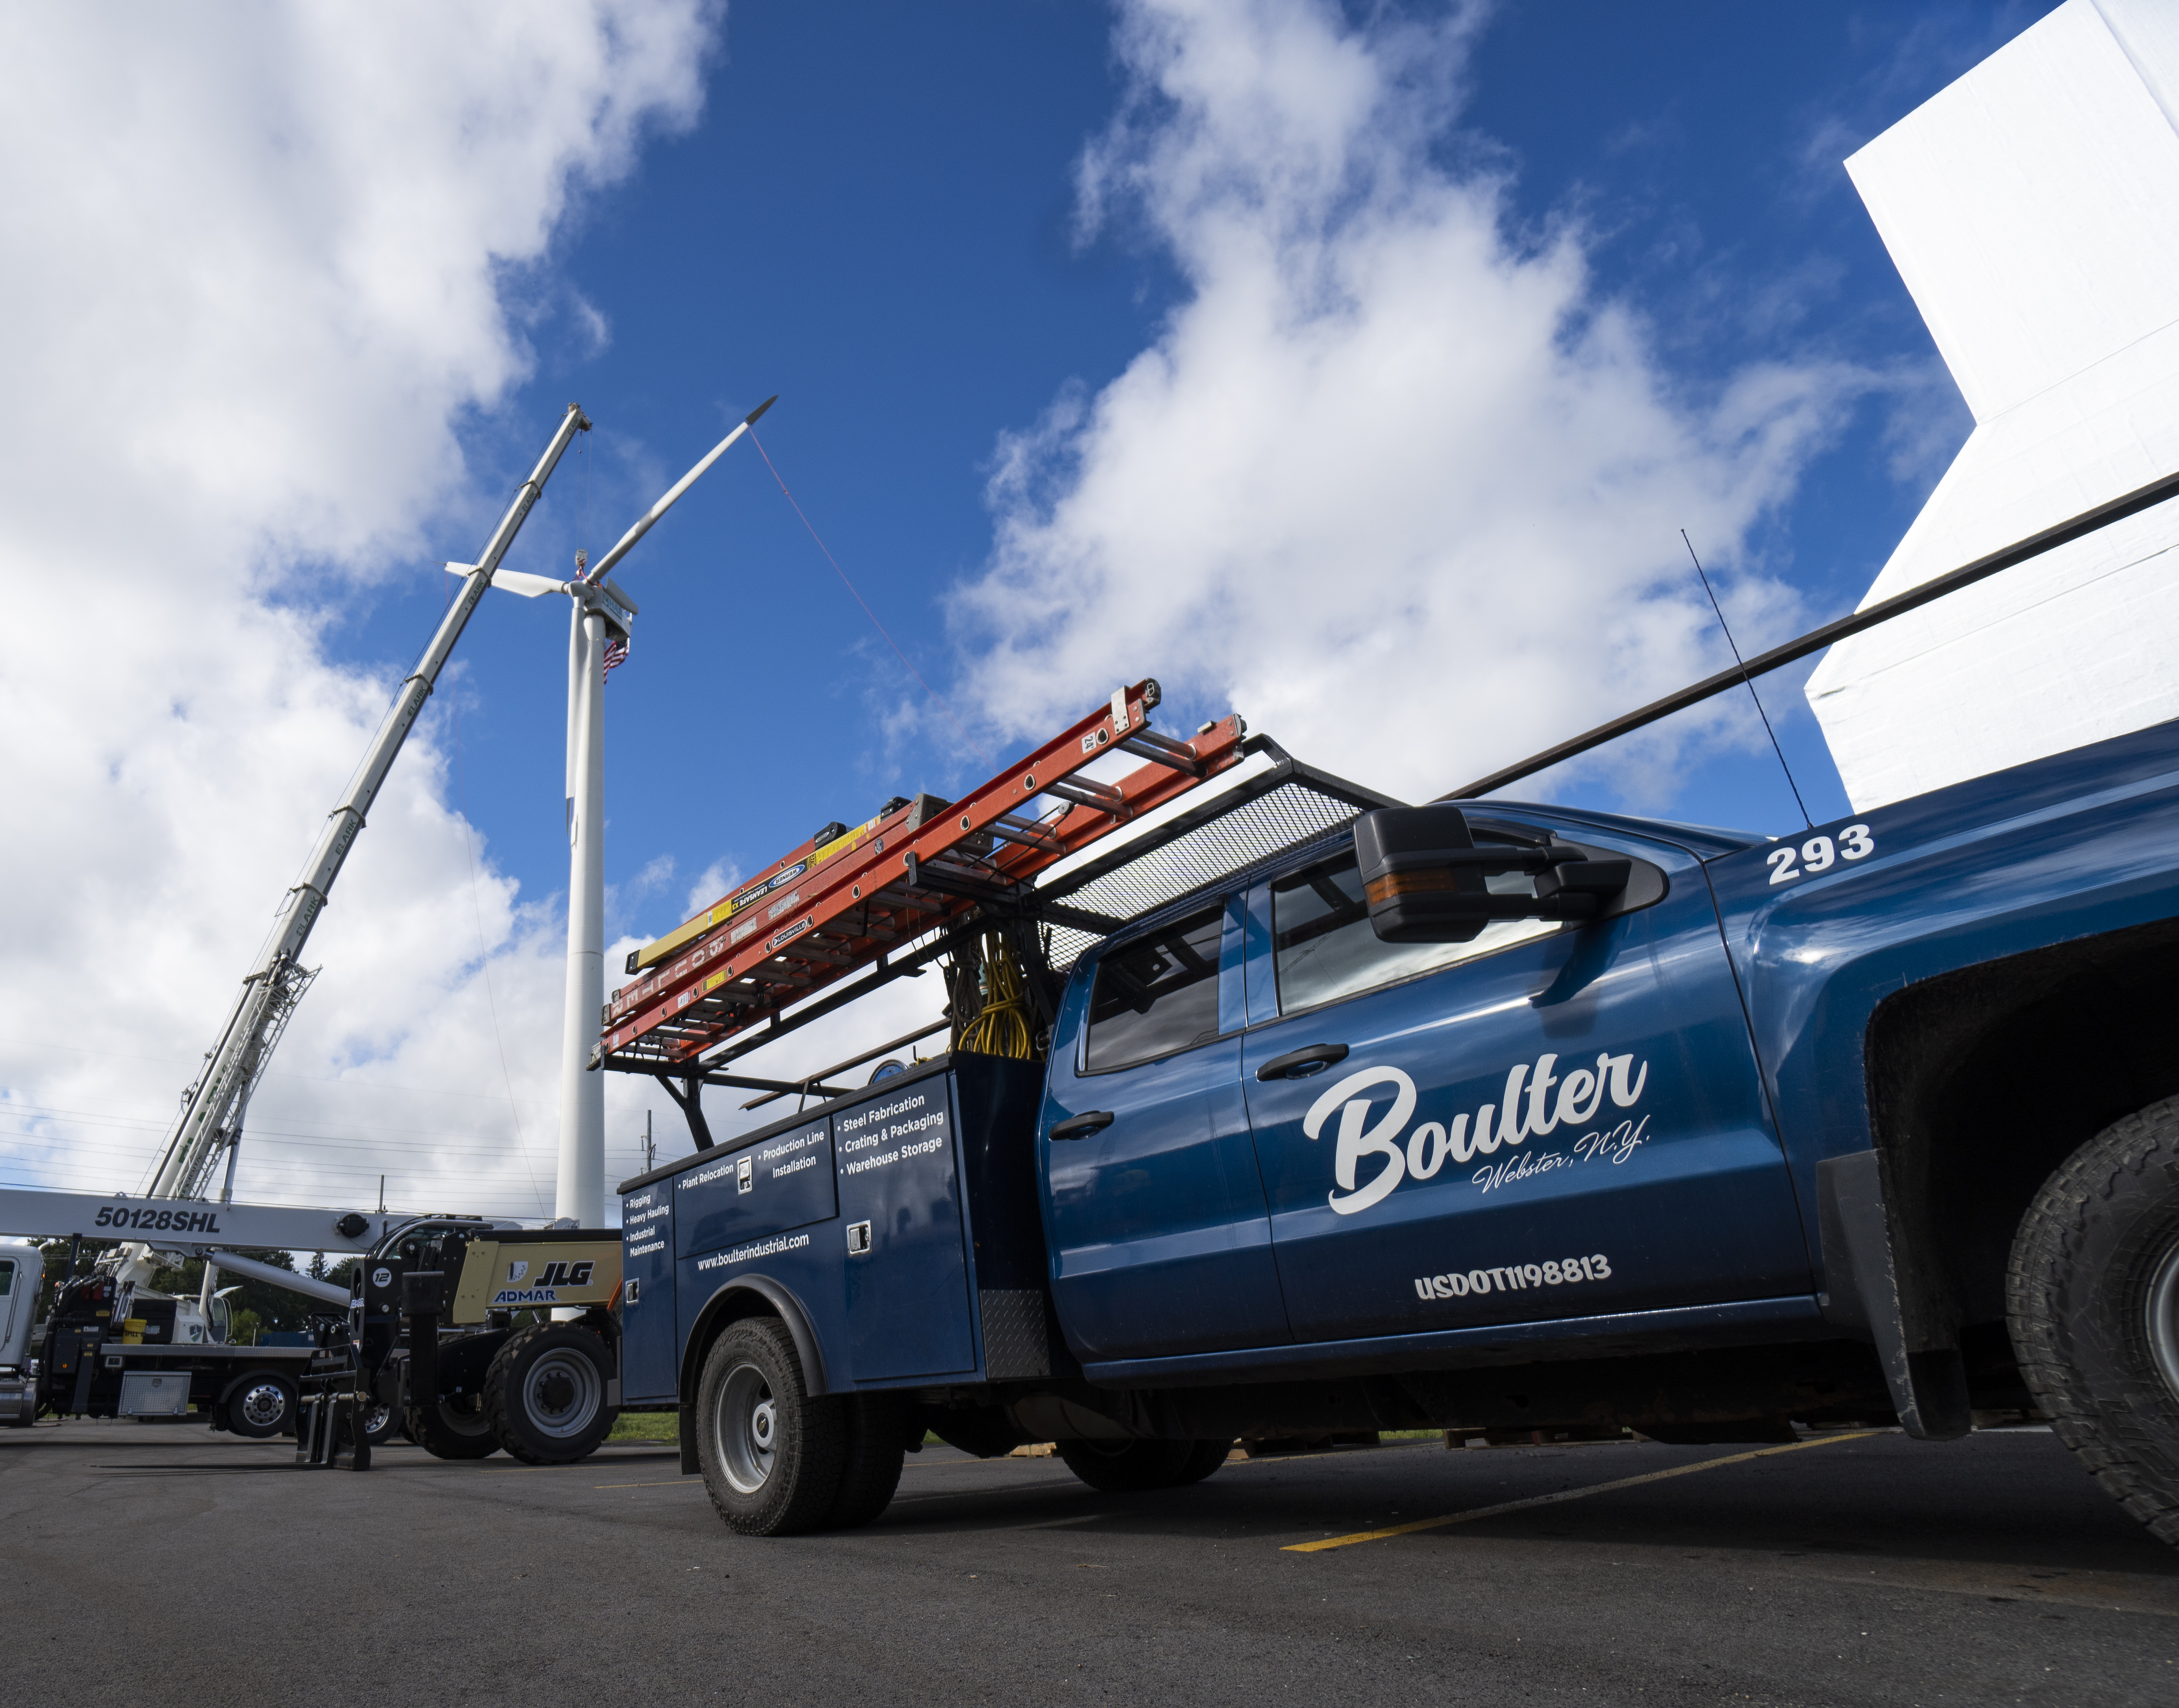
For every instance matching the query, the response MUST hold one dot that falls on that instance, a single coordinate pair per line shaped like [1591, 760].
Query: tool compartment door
[747, 1212]
[905, 1267]
[648, 1348]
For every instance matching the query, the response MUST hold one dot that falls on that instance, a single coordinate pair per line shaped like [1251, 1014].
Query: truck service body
[1750, 1145]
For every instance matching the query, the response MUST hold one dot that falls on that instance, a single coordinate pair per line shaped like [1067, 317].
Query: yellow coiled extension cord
[1001, 1026]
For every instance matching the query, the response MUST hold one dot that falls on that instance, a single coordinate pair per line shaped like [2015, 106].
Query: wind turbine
[601, 616]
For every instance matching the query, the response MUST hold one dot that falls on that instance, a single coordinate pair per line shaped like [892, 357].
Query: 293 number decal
[1821, 854]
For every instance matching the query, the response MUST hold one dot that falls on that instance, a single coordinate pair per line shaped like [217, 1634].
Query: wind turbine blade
[514, 581]
[673, 494]
[528, 586]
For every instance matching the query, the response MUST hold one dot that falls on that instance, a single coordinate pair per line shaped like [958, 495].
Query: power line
[974, 744]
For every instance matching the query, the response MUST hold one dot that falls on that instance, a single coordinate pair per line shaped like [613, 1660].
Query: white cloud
[711, 884]
[257, 265]
[1404, 492]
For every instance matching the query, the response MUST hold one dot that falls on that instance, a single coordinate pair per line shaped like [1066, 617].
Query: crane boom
[212, 1108]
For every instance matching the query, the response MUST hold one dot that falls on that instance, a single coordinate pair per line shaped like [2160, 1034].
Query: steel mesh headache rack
[926, 876]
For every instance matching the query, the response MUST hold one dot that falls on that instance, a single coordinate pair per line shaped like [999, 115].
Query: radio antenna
[1749, 680]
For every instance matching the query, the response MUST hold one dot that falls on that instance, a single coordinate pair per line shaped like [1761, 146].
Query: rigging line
[1749, 681]
[484, 955]
[974, 745]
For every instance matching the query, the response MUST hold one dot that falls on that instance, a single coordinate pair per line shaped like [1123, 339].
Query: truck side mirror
[1426, 879]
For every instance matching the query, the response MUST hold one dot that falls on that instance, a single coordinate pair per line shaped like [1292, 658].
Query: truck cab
[1314, 1146]
[22, 1267]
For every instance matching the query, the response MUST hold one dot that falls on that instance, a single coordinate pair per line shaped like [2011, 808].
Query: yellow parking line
[1571, 1494]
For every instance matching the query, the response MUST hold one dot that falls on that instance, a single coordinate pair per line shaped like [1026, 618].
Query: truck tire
[877, 1427]
[987, 1431]
[545, 1394]
[1128, 1467]
[452, 1428]
[1204, 1458]
[2092, 1303]
[380, 1423]
[260, 1405]
[773, 1456]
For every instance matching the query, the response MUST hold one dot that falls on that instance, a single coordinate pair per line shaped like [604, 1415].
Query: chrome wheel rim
[748, 1429]
[263, 1404]
[562, 1394]
[2163, 1318]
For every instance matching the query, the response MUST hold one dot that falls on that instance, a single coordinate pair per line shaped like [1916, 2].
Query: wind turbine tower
[602, 618]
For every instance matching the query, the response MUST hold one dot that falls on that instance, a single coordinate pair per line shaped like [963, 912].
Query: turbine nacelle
[601, 595]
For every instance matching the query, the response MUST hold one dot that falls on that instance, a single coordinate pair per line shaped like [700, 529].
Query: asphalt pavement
[157, 1564]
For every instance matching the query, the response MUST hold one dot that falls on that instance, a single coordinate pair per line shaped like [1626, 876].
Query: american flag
[616, 653]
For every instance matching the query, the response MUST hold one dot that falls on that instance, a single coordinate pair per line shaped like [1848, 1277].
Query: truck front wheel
[2092, 1298]
[773, 1455]
[546, 1394]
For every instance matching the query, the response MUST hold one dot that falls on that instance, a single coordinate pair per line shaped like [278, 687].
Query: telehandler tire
[546, 1393]
[877, 1441]
[451, 1428]
[2093, 1301]
[773, 1455]
[1128, 1467]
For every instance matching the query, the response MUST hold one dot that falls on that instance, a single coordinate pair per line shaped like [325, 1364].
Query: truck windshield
[1323, 949]
[1157, 994]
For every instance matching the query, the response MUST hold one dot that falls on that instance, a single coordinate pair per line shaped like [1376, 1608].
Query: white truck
[21, 1264]
[111, 1346]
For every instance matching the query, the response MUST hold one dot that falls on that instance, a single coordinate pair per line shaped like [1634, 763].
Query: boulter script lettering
[1538, 1100]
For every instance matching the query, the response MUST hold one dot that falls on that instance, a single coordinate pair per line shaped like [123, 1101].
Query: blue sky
[875, 219]
[1354, 369]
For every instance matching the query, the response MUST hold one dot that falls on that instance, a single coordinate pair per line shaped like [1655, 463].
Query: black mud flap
[1929, 1388]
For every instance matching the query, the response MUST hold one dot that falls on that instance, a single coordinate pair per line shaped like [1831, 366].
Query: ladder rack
[847, 899]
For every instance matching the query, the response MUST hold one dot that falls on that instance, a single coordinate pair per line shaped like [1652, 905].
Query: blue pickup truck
[1485, 1117]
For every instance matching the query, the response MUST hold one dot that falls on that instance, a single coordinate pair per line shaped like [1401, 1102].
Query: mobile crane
[113, 1346]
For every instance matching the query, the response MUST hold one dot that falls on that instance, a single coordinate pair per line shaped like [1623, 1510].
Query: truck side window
[1324, 949]
[1156, 994]
[7, 1279]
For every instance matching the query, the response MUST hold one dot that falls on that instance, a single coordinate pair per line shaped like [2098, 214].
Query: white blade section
[514, 581]
[643, 526]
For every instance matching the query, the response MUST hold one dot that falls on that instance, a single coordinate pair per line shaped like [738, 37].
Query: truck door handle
[1300, 1064]
[1081, 1126]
